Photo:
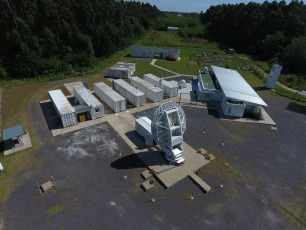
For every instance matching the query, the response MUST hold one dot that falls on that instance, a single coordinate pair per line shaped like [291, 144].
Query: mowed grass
[143, 67]
[15, 102]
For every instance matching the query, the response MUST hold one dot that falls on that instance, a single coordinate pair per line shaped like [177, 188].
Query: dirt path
[263, 73]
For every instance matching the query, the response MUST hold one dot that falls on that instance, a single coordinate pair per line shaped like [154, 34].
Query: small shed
[85, 97]
[132, 94]
[153, 93]
[12, 136]
[63, 108]
[122, 70]
[110, 97]
[143, 128]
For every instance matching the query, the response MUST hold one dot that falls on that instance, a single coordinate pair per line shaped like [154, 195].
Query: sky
[194, 5]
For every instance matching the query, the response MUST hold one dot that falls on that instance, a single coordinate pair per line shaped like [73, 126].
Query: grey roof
[109, 91]
[235, 87]
[87, 96]
[81, 107]
[60, 101]
[12, 132]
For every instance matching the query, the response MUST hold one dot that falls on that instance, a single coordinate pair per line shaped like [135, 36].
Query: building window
[97, 110]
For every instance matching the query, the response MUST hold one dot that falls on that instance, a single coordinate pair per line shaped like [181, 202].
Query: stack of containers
[133, 95]
[168, 88]
[153, 93]
[114, 100]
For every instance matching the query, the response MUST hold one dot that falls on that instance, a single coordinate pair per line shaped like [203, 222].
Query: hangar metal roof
[235, 87]
[12, 132]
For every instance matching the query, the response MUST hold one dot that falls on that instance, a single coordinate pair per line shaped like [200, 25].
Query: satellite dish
[168, 126]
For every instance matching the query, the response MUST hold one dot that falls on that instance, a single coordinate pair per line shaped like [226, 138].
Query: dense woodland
[272, 30]
[45, 36]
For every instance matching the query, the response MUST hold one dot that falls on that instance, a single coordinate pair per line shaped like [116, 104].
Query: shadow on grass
[261, 88]
[297, 108]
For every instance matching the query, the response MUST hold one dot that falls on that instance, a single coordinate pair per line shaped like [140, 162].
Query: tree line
[44, 36]
[269, 31]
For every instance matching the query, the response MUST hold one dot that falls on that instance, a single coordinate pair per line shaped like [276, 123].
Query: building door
[161, 55]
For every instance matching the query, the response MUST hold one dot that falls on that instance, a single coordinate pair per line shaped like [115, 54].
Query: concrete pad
[146, 174]
[124, 124]
[26, 144]
[69, 86]
[266, 118]
[198, 181]
[147, 185]
[184, 93]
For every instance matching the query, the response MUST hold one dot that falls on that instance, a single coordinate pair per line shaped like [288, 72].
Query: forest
[44, 36]
[268, 31]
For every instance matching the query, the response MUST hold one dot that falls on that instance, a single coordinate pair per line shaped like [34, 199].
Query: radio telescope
[168, 126]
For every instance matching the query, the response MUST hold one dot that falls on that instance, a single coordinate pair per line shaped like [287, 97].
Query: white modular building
[122, 70]
[143, 128]
[110, 97]
[133, 95]
[153, 52]
[169, 89]
[63, 108]
[153, 93]
[85, 97]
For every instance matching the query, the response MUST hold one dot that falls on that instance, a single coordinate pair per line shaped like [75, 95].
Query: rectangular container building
[153, 93]
[122, 70]
[133, 95]
[110, 97]
[153, 52]
[85, 97]
[63, 108]
[143, 128]
[169, 89]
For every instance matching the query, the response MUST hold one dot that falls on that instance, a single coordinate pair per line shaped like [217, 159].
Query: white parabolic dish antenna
[168, 126]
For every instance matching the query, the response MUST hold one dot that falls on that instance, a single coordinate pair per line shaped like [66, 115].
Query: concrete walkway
[153, 64]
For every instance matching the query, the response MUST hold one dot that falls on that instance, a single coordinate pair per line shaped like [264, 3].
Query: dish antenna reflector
[168, 126]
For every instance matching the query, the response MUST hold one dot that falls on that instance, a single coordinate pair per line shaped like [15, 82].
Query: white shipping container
[84, 96]
[63, 108]
[153, 93]
[168, 88]
[143, 128]
[133, 95]
[114, 100]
